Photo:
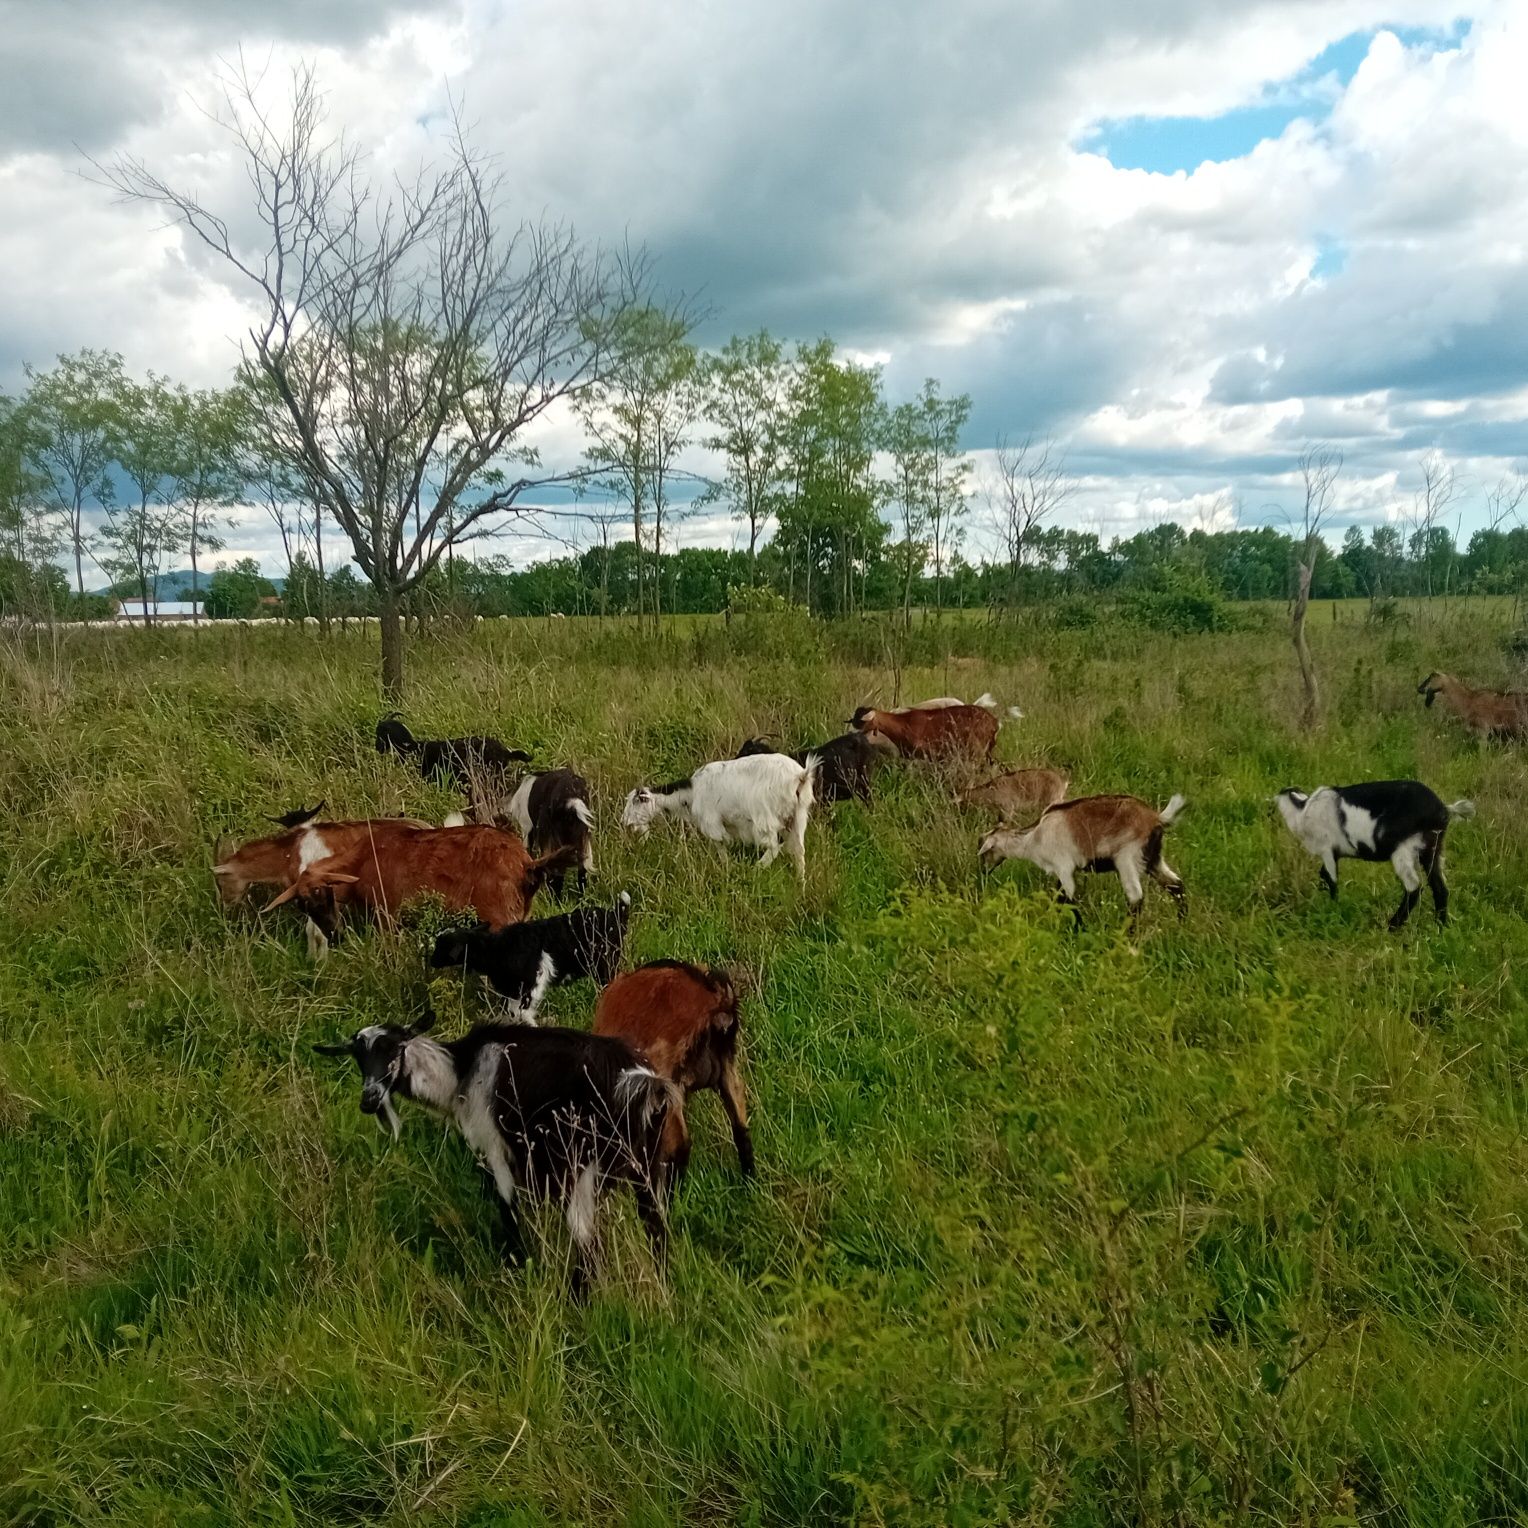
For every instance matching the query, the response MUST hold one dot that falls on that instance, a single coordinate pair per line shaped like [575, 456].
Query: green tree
[745, 387]
[638, 416]
[203, 476]
[944, 420]
[903, 436]
[144, 529]
[72, 407]
[235, 593]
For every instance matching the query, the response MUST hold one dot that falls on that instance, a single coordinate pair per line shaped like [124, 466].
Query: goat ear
[424, 1023]
[336, 878]
[347, 1049]
[281, 898]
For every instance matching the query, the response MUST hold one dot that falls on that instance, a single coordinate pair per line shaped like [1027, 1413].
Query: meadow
[1223, 1224]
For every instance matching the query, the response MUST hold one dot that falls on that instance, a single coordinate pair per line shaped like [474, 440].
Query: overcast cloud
[1000, 195]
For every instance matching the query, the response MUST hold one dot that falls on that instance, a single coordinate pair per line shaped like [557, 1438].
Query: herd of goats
[564, 1115]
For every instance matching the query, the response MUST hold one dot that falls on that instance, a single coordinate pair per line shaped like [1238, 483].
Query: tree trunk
[196, 583]
[392, 641]
[1302, 650]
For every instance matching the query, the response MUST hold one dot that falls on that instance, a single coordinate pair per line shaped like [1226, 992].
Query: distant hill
[176, 585]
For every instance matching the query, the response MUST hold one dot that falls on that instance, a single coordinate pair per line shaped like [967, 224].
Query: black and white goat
[551, 810]
[1397, 820]
[553, 1113]
[521, 961]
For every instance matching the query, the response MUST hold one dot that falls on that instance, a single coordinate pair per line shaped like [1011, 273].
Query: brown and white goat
[278, 859]
[683, 1021]
[946, 732]
[1020, 794]
[1118, 833]
[484, 870]
[1487, 713]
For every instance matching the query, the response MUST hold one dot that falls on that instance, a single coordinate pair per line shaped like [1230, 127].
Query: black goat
[300, 816]
[844, 764]
[458, 761]
[524, 959]
[554, 1113]
[1398, 820]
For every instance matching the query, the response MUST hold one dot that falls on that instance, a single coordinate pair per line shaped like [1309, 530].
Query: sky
[1184, 240]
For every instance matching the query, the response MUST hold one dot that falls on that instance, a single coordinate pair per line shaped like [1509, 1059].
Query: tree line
[408, 340]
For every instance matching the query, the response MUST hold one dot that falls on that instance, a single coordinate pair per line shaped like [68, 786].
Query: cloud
[933, 189]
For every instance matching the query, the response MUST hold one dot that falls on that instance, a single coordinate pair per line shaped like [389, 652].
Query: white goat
[763, 800]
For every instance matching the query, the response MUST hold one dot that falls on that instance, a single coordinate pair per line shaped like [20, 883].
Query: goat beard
[1429, 698]
[387, 1117]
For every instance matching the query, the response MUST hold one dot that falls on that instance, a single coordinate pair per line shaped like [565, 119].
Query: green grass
[1223, 1226]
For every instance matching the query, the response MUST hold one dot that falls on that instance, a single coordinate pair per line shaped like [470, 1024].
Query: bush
[1179, 602]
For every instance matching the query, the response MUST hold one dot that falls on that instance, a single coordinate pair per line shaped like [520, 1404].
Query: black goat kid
[553, 1113]
[522, 960]
[459, 761]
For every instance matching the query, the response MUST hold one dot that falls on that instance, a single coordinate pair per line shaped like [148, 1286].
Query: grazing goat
[459, 761]
[844, 764]
[1487, 713]
[1398, 820]
[553, 1113]
[551, 810]
[760, 800]
[683, 1021]
[1019, 794]
[279, 859]
[947, 732]
[520, 962]
[1118, 833]
[944, 702]
[300, 817]
[482, 869]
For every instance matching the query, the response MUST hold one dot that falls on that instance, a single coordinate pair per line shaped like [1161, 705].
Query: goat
[844, 764]
[553, 1113]
[948, 732]
[1019, 794]
[759, 800]
[300, 817]
[1118, 833]
[551, 809]
[1487, 713]
[278, 860]
[1398, 820]
[483, 869]
[457, 760]
[520, 962]
[683, 1021]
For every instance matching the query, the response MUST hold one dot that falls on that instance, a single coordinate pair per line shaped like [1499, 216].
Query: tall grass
[1226, 1225]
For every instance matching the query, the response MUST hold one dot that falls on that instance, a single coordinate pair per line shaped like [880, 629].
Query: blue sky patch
[1165, 145]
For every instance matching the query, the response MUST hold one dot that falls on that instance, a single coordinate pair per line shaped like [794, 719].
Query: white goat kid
[763, 800]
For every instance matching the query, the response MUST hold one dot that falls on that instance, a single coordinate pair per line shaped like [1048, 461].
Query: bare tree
[1505, 501]
[1440, 483]
[408, 337]
[1027, 486]
[1319, 468]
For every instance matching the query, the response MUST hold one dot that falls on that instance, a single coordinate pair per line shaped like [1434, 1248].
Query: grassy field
[1226, 1225]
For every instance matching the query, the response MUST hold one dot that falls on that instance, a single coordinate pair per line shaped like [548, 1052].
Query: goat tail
[806, 787]
[1173, 807]
[578, 809]
[985, 701]
[1461, 809]
[641, 1091]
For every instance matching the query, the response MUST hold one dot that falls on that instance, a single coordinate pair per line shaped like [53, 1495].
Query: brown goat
[1487, 713]
[280, 858]
[484, 870]
[1019, 794]
[948, 732]
[683, 1020]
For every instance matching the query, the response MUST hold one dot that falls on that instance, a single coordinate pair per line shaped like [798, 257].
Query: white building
[131, 611]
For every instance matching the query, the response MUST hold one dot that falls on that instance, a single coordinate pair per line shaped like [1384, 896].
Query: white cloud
[915, 188]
